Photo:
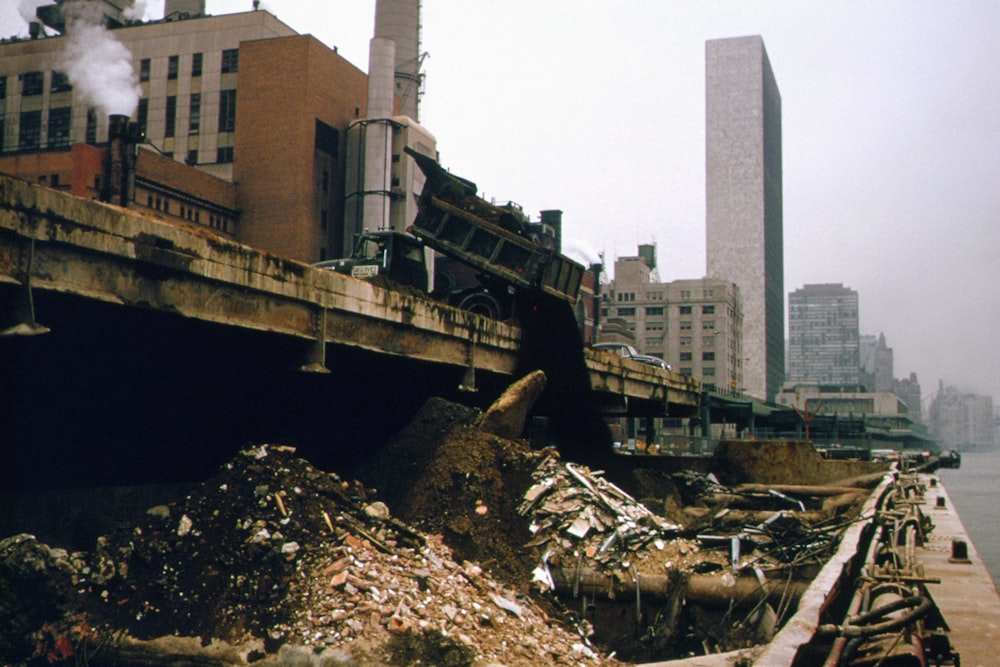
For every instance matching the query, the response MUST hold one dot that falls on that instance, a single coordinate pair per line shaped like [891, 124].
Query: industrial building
[228, 138]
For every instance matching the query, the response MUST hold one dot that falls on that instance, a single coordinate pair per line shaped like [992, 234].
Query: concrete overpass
[74, 265]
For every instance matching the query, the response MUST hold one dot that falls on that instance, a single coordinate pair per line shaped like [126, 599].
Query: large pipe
[377, 189]
[706, 589]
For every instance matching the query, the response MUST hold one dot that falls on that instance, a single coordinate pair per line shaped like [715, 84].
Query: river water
[974, 489]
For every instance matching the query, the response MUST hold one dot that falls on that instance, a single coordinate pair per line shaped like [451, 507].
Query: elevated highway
[73, 265]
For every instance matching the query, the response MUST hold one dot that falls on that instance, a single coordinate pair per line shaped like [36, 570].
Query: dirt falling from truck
[550, 341]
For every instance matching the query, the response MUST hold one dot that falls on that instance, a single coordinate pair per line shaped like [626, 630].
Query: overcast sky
[891, 139]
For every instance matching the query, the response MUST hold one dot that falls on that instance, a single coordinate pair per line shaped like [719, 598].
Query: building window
[227, 110]
[224, 154]
[32, 83]
[708, 294]
[626, 312]
[142, 114]
[685, 341]
[708, 325]
[59, 121]
[708, 372]
[685, 310]
[60, 82]
[196, 61]
[626, 296]
[323, 219]
[685, 356]
[708, 356]
[654, 326]
[654, 310]
[231, 60]
[686, 326]
[685, 371]
[91, 136]
[327, 139]
[171, 122]
[194, 113]
[173, 66]
[31, 131]
[708, 310]
[3, 87]
[144, 69]
[192, 157]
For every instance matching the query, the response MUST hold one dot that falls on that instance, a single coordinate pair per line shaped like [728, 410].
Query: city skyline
[891, 155]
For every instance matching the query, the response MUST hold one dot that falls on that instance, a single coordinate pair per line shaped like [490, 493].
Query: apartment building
[695, 325]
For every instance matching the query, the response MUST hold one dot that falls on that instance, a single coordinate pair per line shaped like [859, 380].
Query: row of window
[705, 356]
[60, 118]
[230, 63]
[33, 83]
[657, 310]
[157, 203]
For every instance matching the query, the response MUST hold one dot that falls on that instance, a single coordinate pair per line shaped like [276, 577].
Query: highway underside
[113, 396]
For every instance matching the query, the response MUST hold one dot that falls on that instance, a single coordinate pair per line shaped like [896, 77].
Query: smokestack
[119, 184]
[378, 135]
[399, 20]
[553, 218]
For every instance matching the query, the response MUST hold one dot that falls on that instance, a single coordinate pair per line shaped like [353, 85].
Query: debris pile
[274, 553]
[459, 546]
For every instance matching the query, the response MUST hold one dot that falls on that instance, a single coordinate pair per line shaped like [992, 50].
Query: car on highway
[628, 352]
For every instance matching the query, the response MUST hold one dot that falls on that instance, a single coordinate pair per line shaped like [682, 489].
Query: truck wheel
[481, 303]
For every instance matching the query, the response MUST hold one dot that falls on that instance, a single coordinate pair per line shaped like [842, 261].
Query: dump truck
[486, 252]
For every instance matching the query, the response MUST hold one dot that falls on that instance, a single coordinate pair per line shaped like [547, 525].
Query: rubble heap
[274, 553]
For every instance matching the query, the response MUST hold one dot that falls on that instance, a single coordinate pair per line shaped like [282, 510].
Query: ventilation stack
[399, 20]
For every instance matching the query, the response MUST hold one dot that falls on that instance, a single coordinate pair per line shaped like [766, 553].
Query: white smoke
[580, 251]
[97, 64]
[26, 8]
[137, 12]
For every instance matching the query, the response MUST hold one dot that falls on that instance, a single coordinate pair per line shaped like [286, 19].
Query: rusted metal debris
[575, 509]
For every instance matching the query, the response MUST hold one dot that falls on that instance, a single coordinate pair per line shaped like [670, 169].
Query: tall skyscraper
[823, 336]
[744, 199]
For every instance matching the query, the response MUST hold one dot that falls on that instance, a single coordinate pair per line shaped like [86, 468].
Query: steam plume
[97, 64]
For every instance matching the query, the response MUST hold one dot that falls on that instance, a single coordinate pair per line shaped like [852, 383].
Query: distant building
[743, 188]
[823, 337]
[961, 421]
[908, 389]
[694, 325]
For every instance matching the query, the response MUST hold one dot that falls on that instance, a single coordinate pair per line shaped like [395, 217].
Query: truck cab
[386, 252]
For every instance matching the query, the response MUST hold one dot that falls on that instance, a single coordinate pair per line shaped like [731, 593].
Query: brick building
[244, 124]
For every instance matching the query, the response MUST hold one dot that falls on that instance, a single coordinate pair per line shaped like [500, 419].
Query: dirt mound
[446, 476]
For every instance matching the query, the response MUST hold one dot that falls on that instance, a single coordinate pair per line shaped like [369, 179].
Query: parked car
[627, 351]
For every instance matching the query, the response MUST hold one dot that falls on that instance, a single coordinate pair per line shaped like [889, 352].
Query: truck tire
[481, 303]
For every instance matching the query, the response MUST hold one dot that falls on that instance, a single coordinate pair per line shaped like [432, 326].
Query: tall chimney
[120, 173]
[399, 20]
[378, 135]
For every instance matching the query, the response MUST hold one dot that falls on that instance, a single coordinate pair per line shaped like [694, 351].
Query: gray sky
[891, 139]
